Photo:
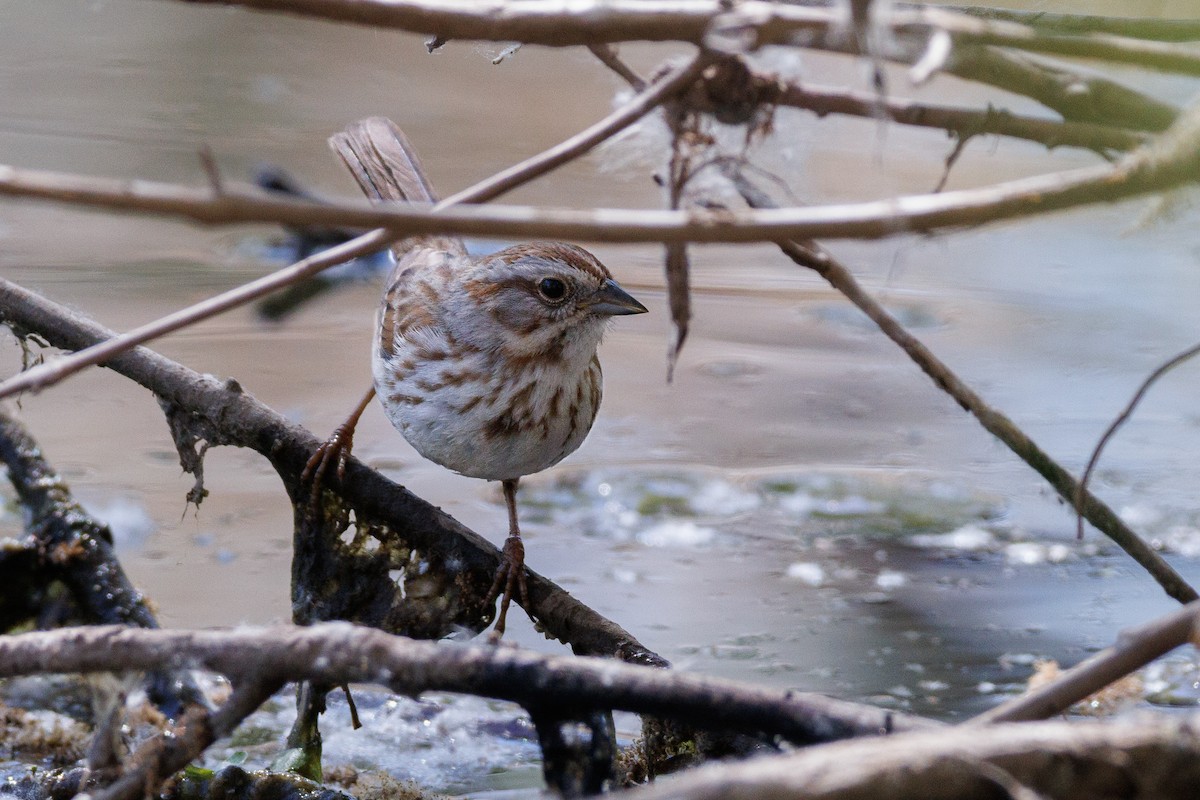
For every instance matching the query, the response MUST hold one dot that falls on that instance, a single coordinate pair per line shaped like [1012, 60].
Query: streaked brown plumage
[486, 365]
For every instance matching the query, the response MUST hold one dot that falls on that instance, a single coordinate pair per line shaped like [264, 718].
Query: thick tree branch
[1077, 96]
[749, 25]
[66, 546]
[963, 122]
[240, 420]
[335, 653]
[1107, 47]
[1163, 30]
[1150, 757]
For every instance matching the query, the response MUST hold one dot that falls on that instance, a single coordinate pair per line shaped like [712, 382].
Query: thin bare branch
[1121, 419]
[747, 25]
[544, 22]
[1134, 649]
[607, 54]
[52, 372]
[964, 122]
[1170, 161]
[812, 256]
[996, 423]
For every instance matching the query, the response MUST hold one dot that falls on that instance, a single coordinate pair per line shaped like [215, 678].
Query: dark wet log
[65, 546]
[579, 750]
[235, 783]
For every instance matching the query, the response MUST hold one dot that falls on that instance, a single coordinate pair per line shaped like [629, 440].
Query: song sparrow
[486, 365]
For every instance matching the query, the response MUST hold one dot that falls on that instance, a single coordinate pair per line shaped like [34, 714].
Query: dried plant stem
[52, 372]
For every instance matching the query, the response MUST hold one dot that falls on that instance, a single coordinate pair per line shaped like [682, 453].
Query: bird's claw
[333, 451]
[510, 579]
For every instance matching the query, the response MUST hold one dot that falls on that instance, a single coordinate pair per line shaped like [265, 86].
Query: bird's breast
[484, 414]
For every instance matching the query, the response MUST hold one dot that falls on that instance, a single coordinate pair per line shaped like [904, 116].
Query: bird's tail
[383, 161]
[385, 164]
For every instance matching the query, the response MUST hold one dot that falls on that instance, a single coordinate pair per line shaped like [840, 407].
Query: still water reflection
[801, 507]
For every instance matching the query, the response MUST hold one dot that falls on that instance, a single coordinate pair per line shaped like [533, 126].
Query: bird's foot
[509, 581]
[334, 452]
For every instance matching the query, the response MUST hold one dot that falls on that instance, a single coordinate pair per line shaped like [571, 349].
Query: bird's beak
[611, 301]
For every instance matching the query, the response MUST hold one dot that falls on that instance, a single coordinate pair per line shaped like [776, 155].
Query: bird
[486, 365]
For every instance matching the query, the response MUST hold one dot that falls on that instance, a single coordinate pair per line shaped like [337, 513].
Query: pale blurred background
[762, 516]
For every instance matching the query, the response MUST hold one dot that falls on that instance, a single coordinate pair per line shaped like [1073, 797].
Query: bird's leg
[334, 450]
[510, 575]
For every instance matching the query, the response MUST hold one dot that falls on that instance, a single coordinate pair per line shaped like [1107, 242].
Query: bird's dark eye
[552, 289]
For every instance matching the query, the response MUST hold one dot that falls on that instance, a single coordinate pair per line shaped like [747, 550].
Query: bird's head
[548, 296]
